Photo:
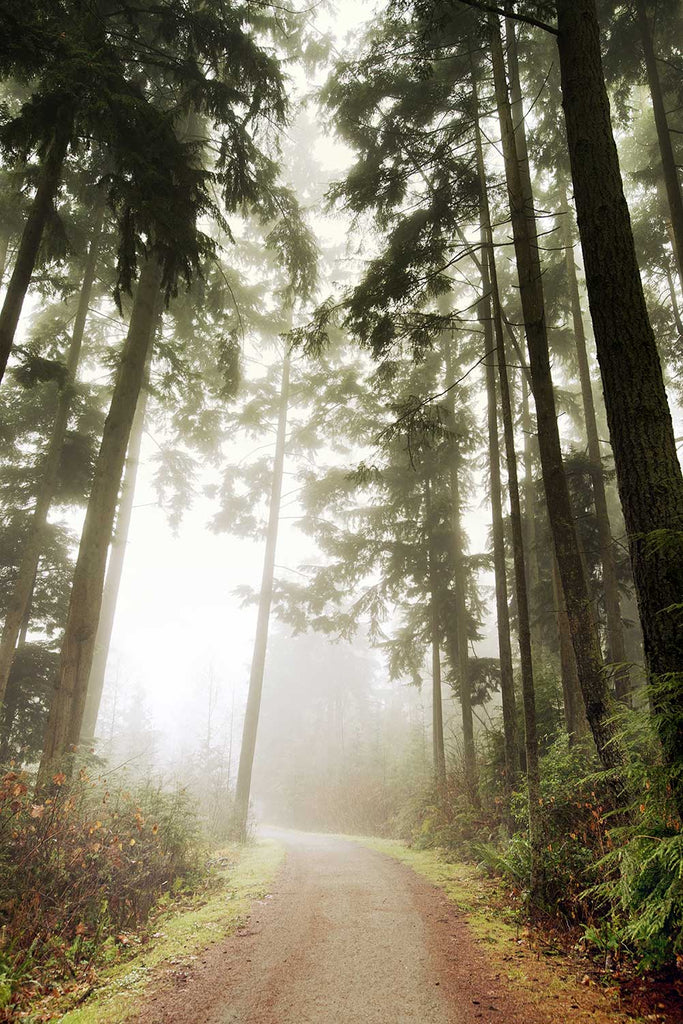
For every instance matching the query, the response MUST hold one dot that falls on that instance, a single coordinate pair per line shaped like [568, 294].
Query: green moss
[181, 935]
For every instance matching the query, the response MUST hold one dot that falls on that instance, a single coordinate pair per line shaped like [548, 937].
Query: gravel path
[349, 936]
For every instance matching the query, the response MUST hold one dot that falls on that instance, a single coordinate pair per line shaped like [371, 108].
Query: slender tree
[251, 717]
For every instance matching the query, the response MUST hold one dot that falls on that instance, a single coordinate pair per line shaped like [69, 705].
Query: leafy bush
[81, 866]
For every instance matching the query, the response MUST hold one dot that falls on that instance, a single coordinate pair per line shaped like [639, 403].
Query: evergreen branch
[432, 398]
[526, 19]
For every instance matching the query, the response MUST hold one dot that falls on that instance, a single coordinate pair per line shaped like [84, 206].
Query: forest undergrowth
[612, 889]
[87, 867]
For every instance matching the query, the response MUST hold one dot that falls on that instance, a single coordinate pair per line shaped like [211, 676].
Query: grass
[181, 934]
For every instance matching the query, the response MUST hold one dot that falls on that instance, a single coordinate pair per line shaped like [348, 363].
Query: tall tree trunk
[4, 246]
[68, 704]
[463, 660]
[438, 747]
[49, 470]
[27, 253]
[117, 556]
[461, 648]
[13, 694]
[251, 717]
[531, 512]
[507, 683]
[666, 152]
[596, 693]
[674, 301]
[615, 630]
[533, 778]
[648, 471]
[574, 712]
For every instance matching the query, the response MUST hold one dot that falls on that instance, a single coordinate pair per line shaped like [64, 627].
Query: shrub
[82, 866]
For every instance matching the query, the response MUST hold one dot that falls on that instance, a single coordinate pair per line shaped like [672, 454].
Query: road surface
[348, 936]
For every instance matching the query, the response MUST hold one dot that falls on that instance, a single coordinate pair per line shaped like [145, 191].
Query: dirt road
[350, 936]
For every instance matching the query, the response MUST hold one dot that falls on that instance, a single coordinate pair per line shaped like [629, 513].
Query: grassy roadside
[181, 934]
[541, 969]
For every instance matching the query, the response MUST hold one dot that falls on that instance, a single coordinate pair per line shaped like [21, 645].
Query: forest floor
[345, 932]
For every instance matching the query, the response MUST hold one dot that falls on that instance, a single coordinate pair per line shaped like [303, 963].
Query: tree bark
[485, 313]
[27, 253]
[507, 684]
[648, 471]
[574, 713]
[68, 704]
[596, 693]
[49, 470]
[13, 694]
[533, 777]
[616, 647]
[666, 152]
[117, 556]
[251, 717]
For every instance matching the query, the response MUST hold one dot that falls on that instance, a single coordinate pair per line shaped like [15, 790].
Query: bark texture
[616, 648]
[648, 471]
[68, 704]
[596, 693]
[112, 584]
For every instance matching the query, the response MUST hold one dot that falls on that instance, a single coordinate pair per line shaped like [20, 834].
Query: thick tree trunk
[648, 471]
[666, 152]
[251, 717]
[615, 630]
[24, 264]
[68, 704]
[596, 693]
[49, 470]
[117, 556]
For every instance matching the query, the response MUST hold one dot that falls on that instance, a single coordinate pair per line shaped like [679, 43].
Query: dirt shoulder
[537, 969]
